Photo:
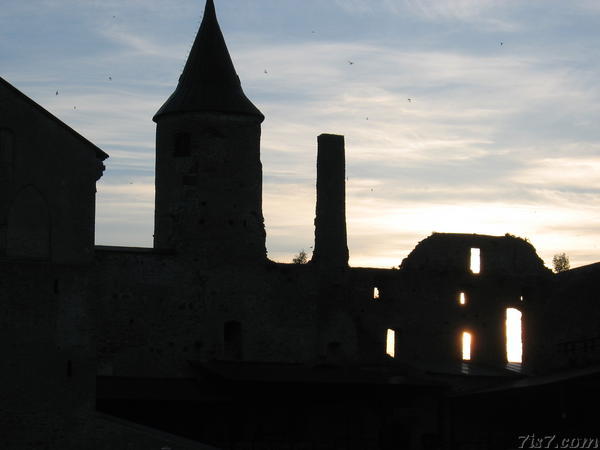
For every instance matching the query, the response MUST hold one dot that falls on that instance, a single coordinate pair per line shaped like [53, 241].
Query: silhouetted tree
[560, 261]
[300, 258]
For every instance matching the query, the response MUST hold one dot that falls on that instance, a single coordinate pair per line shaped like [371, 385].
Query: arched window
[514, 344]
[28, 226]
[466, 345]
[6, 146]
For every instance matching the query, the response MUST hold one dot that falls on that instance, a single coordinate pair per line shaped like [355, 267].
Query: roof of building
[551, 379]
[209, 82]
[99, 153]
[277, 372]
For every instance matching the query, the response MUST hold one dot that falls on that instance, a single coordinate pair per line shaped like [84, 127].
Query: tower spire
[209, 82]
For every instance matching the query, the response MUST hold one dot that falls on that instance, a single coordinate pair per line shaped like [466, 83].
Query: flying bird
[501, 43]
[409, 100]
[56, 92]
[110, 78]
[350, 62]
[266, 71]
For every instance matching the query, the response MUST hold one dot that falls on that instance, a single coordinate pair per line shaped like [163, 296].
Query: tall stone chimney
[331, 247]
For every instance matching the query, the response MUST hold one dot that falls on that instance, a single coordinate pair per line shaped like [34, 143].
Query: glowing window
[521, 298]
[462, 299]
[466, 346]
[390, 342]
[475, 260]
[375, 293]
[514, 344]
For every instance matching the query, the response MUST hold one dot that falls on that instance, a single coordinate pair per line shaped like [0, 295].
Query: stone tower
[208, 169]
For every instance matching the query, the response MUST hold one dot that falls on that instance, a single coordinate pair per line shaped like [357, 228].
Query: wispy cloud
[446, 129]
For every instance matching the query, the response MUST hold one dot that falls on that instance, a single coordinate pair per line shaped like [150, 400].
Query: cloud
[485, 14]
[494, 138]
[577, 175]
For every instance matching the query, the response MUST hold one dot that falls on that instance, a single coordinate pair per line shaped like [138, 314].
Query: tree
[560, 261]
[300, 258]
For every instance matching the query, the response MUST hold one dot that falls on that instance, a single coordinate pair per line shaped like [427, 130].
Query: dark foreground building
[203, 342]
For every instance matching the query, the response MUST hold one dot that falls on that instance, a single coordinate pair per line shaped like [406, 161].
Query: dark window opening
[232, 339]
[335, 353]
[182, 144]
[189, 180]
[69, 369]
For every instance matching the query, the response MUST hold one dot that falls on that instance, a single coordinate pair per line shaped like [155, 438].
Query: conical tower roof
[209, 82]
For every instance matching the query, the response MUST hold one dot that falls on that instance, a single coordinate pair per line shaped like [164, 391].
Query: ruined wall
[48, 176]
[567, 321]
[421, 302]
[156, 311]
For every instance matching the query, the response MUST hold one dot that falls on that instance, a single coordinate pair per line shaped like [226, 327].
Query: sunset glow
[461, 156]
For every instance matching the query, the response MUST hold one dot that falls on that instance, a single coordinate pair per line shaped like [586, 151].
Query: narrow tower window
[466, 346]
[462, 299]
[375, 293]
[182, 144]
[475, 260]
[514, 344]
[390, 346]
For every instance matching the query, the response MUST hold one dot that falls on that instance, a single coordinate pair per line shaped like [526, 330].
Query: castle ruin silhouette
[203, 342]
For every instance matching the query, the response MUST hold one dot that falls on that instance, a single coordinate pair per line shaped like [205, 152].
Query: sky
[468, 116]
